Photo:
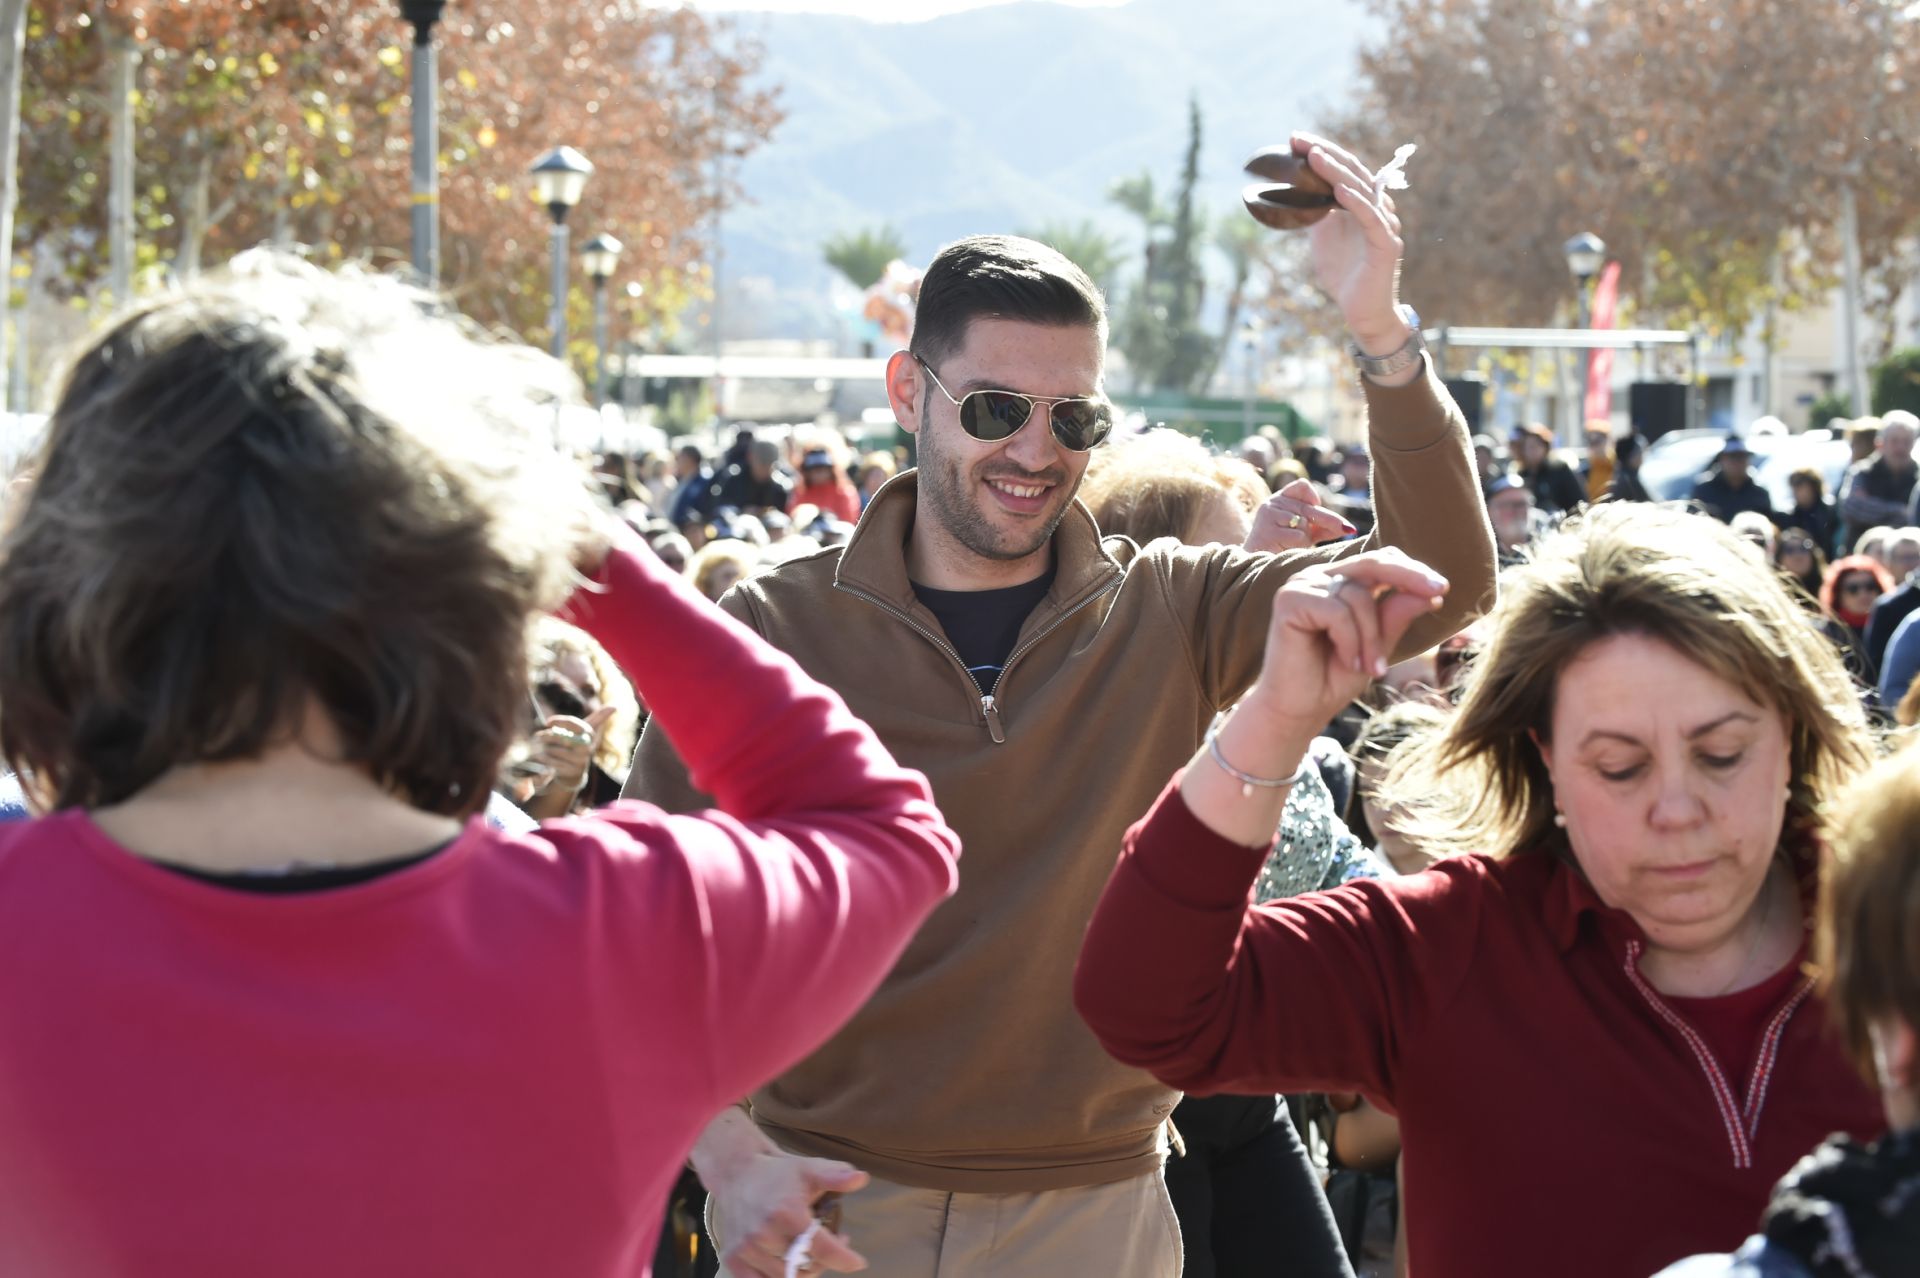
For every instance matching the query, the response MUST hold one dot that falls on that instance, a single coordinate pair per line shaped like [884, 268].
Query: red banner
[1606, 298]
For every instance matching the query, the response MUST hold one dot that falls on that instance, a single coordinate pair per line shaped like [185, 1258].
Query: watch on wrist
[1396, 362]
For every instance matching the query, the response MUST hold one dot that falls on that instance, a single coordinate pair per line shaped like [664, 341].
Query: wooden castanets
[1289, 195]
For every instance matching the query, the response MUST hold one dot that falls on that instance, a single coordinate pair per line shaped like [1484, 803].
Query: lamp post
[632, 386]
[1250, 344]
[599, 256]
[558, 178]
[426, 138]
[1586, 254]
[123, 55]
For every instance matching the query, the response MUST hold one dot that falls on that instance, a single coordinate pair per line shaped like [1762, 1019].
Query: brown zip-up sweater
[968, 1070]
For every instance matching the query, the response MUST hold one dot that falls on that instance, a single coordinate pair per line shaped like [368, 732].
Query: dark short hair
[280, 488]
[692, 453]
[1000, 277]
[1808, 475]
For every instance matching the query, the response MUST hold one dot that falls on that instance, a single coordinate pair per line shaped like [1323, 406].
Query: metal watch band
[1390, 365]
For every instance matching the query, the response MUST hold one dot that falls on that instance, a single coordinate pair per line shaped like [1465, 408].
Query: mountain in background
[1005, 119]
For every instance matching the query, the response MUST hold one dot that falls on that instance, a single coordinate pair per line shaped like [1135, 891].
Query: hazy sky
[883, 10]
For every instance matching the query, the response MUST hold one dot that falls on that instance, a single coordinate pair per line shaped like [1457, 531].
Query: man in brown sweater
[1048, 683]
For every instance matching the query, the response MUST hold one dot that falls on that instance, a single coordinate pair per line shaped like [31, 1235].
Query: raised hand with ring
[1294, 519]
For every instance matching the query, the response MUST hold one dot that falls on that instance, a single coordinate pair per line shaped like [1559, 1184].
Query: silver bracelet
[1246, 779]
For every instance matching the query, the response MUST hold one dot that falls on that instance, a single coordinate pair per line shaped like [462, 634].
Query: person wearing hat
[1728, 487]
[825, 486]
[1511, 510]
[1556, 489]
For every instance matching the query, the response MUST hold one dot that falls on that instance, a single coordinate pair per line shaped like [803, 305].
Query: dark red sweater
[1557, 1114]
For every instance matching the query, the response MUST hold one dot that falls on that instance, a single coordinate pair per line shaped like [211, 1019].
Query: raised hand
[1357, 250]
[1332, 631]
[564, 746]
[1294, 519]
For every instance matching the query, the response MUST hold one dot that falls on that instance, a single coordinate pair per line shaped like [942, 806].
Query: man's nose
[1033, 445]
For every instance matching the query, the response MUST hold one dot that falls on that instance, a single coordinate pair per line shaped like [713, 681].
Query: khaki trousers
[1122, 1230]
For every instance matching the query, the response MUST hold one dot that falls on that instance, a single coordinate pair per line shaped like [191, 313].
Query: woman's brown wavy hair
[1627, 568]
[279, 489]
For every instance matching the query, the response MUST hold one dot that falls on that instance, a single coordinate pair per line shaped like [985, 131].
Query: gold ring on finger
[1295, 522]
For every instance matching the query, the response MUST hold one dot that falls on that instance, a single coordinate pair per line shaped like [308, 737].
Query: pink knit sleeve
[779, 913]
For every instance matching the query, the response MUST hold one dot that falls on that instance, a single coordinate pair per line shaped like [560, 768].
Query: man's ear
[904, 391]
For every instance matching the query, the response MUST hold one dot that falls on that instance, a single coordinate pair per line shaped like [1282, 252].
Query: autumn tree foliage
[1707, 141]
[288, 120]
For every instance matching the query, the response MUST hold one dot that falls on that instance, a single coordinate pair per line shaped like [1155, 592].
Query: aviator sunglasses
[993, 415]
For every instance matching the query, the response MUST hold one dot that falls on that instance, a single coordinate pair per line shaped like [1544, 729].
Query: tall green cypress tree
[1159, 330]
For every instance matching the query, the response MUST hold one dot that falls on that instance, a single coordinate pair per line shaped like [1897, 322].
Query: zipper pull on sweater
[993, 719]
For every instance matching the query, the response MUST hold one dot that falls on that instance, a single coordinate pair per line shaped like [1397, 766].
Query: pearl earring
[1560, 819]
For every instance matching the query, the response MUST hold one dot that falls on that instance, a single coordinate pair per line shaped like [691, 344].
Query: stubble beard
[948, 490]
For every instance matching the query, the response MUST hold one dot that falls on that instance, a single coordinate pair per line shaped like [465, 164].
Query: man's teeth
[1018, 490]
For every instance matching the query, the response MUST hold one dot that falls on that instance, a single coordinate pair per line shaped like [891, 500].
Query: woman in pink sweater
[275, 1000]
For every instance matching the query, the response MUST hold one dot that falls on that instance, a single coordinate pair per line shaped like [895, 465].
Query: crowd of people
[1071, 853]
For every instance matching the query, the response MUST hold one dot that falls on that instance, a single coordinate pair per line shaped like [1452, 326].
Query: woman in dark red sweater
[1595, 1030]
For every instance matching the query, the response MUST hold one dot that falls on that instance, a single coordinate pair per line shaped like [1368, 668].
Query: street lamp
[558, 178]
[599, 256]
[1586, 254]
[1250, 343]
[426, 138]
[633, 385]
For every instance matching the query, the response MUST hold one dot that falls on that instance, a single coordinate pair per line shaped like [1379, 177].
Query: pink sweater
[491, 1062]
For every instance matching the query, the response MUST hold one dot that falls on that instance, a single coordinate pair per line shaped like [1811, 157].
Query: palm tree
[1247, 246]
[1137, 196]
[862, 256]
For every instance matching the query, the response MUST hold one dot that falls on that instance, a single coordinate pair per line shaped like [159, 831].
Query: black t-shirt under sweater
[983, 625]
[294, 882]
